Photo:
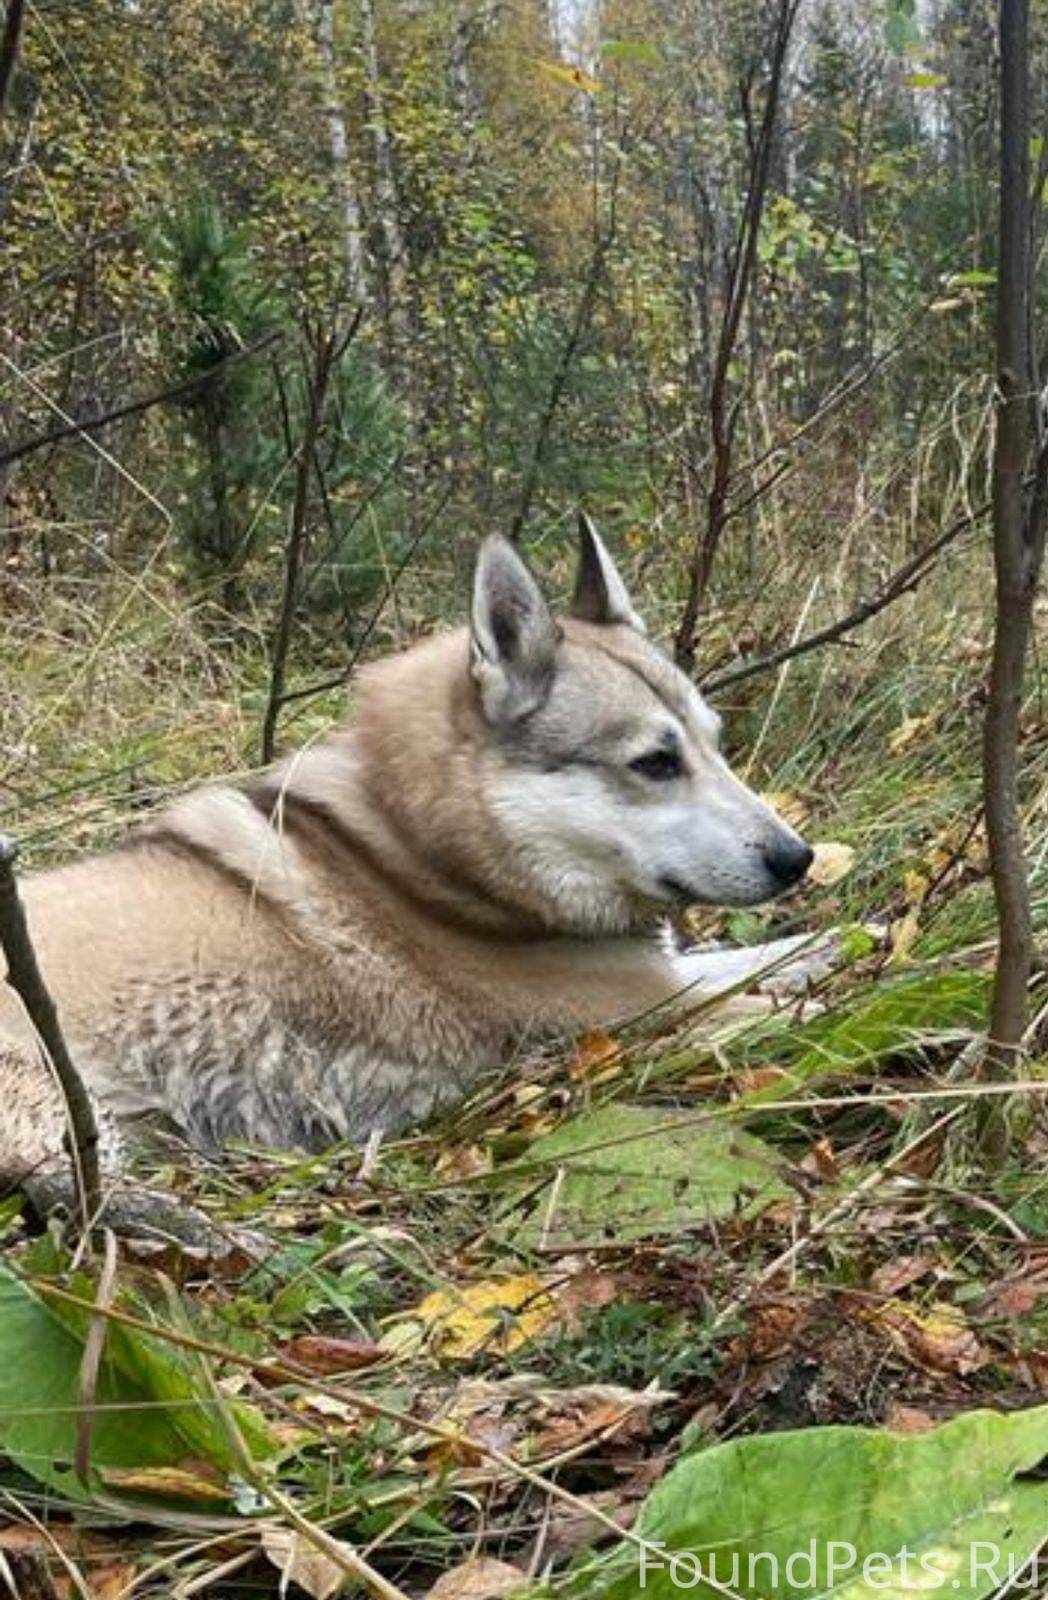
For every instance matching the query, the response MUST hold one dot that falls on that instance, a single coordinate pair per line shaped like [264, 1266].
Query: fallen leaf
[496, 1316]
[480, 1579]
[596, 1055]
[937, 1336]
[908, 1419]
[831, 863]
[791, 807]
[911, 729]
[321, 1354]
[900, 1273]
[300, 1562]
[177, 1483]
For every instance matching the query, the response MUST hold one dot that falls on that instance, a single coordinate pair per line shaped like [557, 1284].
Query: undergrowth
[428, 1366]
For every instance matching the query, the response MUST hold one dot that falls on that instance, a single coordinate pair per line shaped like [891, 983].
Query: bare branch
[175, 391]
[724, 411]
[10, 43]
[26, 979]
[902, 580]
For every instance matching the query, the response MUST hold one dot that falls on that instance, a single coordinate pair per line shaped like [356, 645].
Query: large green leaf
[624, 1172]
[956, 1500]
[153, 1408]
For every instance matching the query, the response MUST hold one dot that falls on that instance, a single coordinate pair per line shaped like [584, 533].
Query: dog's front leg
[783, 967]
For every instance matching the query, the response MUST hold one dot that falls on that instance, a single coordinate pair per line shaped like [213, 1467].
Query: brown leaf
[321, 1354]
[937, 1336]
[900, 1273]
[480, 1579]
[908, 1419]
[586, 1291]
[300, 1562]
[822, 1162]
[596, 1056]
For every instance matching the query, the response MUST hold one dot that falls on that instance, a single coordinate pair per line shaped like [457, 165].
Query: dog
[482, 861]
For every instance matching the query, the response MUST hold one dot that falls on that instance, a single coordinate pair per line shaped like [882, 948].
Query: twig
[25, 978]
[723, 408]
[175, 391]
[902, 580]
[10, 41]
[328, 351]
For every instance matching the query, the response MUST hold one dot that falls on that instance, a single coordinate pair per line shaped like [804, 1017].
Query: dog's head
[603, 769]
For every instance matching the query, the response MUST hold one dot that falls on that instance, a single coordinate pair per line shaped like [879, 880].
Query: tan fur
[351, 942]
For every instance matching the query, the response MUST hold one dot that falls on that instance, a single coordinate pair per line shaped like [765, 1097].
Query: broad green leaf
[617, 1179]
[955, 1500]
[898, 1018]
[925, 80]
[40, 1358]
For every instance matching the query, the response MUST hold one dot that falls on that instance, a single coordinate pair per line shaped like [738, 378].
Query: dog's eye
[660, 765]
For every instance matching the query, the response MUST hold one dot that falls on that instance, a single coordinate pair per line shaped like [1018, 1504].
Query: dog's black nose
[788, 860]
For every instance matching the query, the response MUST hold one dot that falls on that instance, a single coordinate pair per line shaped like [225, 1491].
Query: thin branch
[723, 410]
[26, 979]
[10, 43]
[328, 352]
[176, 391]
[902, 580]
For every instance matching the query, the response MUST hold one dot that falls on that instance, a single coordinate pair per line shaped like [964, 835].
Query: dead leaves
[831, 863]
[480, 1579]
[935, 1336]
[493, 1317]
[302, 1563]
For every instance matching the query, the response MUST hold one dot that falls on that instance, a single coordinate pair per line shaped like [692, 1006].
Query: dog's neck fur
[400, 790]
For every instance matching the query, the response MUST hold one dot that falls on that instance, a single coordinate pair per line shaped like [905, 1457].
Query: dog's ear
[600, 594]
[514, 636]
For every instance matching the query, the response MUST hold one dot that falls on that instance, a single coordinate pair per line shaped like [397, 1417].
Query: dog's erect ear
[514, 634]
[600, 594]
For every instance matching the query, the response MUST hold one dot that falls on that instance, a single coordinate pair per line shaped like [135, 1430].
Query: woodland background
[298, 301]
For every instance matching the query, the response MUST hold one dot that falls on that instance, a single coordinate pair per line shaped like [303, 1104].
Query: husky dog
[481, 861]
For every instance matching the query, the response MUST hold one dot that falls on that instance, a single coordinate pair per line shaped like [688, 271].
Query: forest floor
[716, 1282]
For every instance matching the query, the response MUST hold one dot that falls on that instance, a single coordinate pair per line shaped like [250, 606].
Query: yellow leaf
[832, 862]
[573, 77]
[175, 1482]
[790, 807]
[904, 935]
[910, 729]
[496, 1316]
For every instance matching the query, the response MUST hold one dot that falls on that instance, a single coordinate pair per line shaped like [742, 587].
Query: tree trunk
[1018, 545]
[353, 253]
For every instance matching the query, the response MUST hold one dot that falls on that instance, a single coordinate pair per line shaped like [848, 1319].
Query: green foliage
[624, 1172]
[963, 1500]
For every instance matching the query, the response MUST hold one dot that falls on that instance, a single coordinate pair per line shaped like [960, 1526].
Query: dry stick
[132, 408]
[24, 976]
[724, 413]
[902, 580]
[1018, 548]
[10, 42]
[329, 351]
